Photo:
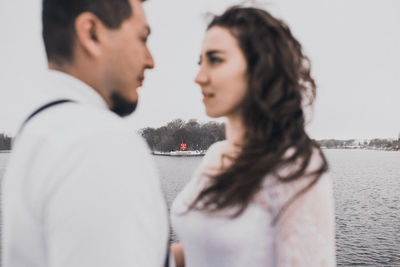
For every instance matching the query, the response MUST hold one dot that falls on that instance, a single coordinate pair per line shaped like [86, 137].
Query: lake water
[367, 196]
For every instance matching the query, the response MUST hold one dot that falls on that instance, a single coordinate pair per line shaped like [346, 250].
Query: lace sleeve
[305, 234]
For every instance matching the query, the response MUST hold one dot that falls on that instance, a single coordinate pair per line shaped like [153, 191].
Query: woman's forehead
[219, 39]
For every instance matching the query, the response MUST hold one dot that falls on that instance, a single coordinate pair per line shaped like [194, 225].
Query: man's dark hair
[58, 18]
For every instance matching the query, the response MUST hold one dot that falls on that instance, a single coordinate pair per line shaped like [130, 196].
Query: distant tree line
[333, 143]
[385, 144]
[5, 142]
[377, 143]
[197, 136]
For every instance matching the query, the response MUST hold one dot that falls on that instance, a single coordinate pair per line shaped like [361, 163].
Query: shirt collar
[69, 87]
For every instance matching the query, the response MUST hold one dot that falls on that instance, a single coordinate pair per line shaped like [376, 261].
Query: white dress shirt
[81, 189]
[304, 235]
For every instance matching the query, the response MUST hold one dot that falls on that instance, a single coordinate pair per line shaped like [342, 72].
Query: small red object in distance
[183, 147]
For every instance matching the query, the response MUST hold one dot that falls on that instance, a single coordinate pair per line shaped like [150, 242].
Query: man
[80, 188]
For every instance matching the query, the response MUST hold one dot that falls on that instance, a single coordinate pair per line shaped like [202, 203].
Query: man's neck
[83, 76]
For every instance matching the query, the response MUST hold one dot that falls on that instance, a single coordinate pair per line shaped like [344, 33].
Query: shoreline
[363, 148]
[193, 153]
[190, 153]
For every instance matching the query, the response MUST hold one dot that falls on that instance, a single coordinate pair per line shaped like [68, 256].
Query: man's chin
[122, 106]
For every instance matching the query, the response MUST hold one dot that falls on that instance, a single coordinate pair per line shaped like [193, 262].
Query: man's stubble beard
[121, 106]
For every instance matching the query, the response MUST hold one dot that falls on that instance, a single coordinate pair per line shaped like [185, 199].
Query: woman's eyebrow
[213, 52]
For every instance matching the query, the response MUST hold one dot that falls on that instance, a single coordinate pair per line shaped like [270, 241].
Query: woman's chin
[213, 114]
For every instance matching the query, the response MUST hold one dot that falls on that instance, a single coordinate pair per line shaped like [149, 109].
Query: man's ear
[90, 33]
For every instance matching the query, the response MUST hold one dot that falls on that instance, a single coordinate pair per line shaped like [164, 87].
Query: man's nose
[149, 64]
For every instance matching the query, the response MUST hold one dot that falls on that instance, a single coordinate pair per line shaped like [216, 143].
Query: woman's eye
[215, 60]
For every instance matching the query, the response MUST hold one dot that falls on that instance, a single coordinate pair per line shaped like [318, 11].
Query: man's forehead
[137, 7]
[139, 16]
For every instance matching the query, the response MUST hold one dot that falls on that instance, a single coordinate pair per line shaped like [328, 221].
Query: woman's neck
[234, 130]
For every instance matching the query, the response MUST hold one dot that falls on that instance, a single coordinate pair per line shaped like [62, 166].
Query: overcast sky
[354, 46]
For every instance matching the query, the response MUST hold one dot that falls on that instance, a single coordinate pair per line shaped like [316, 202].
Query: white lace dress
[303, 236]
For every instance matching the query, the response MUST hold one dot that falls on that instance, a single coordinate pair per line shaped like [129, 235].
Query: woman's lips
[207, 96]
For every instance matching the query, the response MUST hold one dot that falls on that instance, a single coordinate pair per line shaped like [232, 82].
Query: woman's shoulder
[216, 149]
[208, 167]
[211, 164]
[211, 161]
[214, 154]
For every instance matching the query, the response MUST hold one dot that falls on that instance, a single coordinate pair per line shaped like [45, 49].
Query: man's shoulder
[75, 123]
[84, 116]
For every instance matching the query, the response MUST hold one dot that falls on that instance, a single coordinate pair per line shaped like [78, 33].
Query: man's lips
[140, 80]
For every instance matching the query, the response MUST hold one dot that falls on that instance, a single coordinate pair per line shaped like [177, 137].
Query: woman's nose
[201, 77]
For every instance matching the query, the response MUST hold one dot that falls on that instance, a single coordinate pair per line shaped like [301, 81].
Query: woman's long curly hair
[279, 84]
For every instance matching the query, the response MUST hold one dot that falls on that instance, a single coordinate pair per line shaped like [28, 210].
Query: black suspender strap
[166, 264]
[46, 106]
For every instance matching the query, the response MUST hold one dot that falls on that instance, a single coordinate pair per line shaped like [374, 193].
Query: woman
[262, 197]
